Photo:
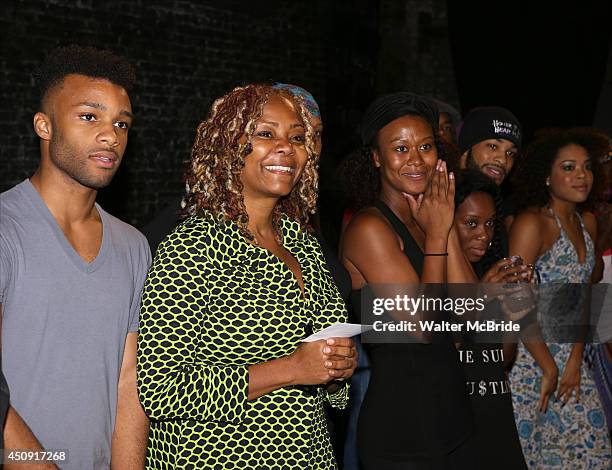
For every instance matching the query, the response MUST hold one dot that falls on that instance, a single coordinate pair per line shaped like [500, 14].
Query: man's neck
[68, 201]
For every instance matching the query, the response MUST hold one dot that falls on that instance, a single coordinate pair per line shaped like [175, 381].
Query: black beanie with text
[489, 123]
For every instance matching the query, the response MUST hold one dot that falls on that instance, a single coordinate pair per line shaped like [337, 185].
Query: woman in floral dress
[557, 235]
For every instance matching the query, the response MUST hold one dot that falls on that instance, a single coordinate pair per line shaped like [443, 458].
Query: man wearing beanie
[490, 140]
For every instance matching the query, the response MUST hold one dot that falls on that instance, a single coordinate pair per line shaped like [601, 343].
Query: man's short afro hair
[87, 61]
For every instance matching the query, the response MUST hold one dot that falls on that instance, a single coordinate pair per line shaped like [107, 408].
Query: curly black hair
[536, 165]
[473, 181]
[83, 60]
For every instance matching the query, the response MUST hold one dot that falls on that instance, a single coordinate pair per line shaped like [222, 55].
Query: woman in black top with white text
[495, 440]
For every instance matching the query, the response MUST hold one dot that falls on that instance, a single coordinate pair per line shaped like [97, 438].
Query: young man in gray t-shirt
[71, 276]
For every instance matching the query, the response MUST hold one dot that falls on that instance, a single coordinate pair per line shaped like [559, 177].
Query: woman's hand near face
[434, 210]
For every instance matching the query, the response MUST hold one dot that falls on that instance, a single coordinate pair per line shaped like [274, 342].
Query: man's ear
[42, 126]
[463, 160]
[376, 158]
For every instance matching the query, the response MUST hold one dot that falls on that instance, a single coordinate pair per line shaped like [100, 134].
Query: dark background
[549, 63]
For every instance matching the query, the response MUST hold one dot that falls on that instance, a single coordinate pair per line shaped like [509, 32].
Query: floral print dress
[573, 436]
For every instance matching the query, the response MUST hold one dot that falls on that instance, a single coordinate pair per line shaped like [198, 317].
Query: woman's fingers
[504, 271]
[543, 403]
[419, 201]
[343, 351]
[503, 263]
[545, 395]
[451, 186]
[496, 272]
[340, 374]
[412, 203]
[340, 364]
[561, 392]
[520, 273]
[566, 391]
[341, 357]
[547, 390]
[434, 187]
[494, 278]
[342, 342]
[443, 181]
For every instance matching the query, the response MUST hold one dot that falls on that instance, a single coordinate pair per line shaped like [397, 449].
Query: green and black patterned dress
[213, 304]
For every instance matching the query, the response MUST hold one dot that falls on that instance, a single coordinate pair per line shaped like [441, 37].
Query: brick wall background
[414, 52]
[189, 52]
[186, 54]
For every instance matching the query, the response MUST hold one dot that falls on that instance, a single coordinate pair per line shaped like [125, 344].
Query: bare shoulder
[532, 219]
[368, 226]
[373, 252]
[527, 234]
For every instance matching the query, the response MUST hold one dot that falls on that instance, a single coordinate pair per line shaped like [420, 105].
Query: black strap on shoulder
[411, 249]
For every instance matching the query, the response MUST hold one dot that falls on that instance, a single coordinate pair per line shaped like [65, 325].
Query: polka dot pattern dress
[212, 305]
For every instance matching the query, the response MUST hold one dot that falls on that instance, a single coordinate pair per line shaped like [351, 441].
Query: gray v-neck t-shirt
[65, 323]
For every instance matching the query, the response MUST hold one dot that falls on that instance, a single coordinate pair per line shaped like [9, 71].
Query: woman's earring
[490, 243]
[547, 181]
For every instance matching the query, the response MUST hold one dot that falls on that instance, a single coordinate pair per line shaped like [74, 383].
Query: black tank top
[416, 406]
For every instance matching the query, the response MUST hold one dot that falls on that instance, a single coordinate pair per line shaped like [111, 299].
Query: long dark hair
[536, 166]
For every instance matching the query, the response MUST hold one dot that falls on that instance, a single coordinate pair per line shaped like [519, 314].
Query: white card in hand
[338, 330]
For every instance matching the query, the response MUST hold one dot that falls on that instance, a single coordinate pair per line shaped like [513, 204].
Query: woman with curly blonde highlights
[222, 143]
[222, 370]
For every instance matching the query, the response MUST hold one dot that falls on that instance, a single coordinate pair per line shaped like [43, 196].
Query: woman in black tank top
[416, 413]
[476, 220]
